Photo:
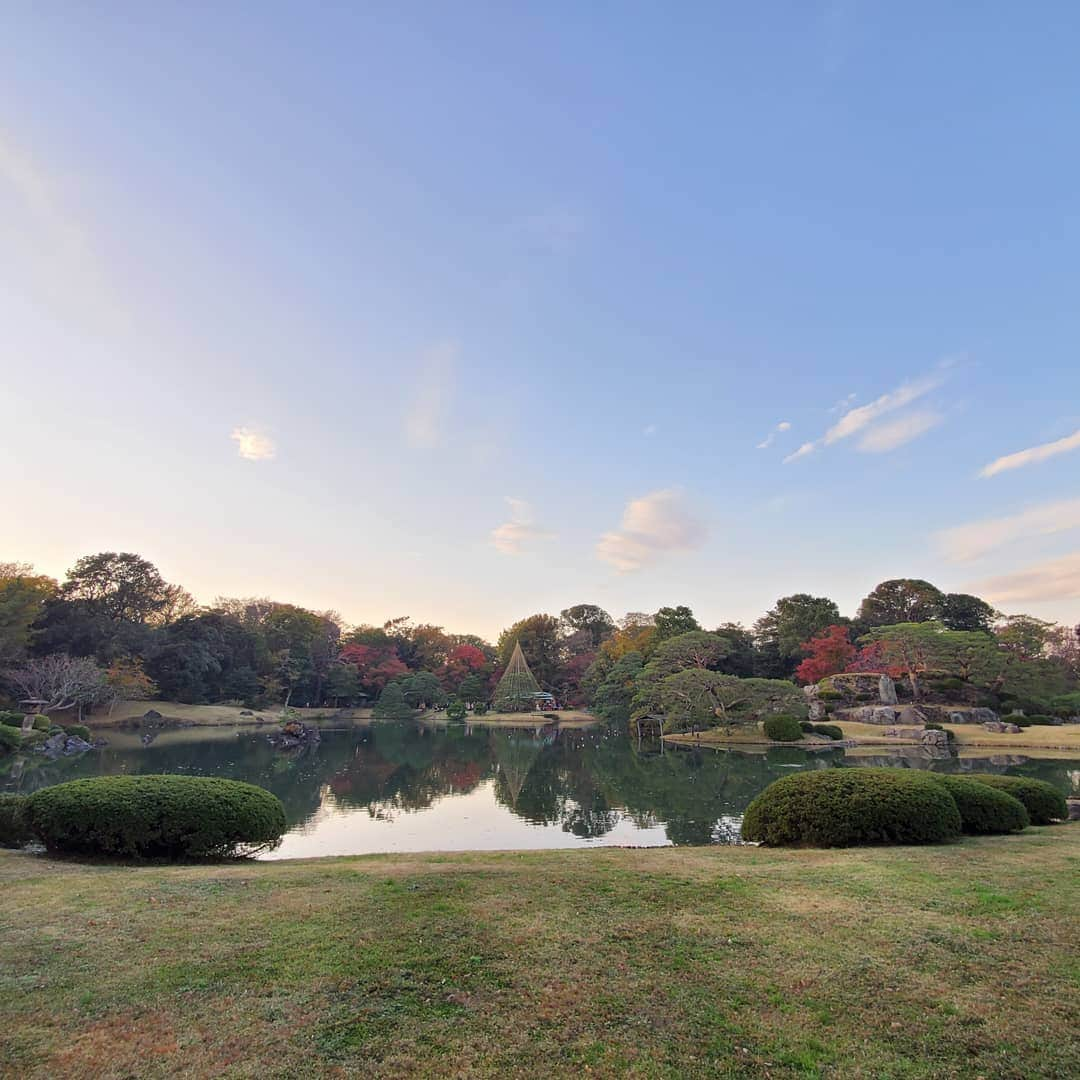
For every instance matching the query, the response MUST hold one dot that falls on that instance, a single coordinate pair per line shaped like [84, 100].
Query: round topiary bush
[80, 731]
[13, 828]
[10, 739]
[830, 731]
[984, 809]
[455, 710]
[168, 817]
[782, 728]
[845, 806]
[1043, 802]
[41, 723]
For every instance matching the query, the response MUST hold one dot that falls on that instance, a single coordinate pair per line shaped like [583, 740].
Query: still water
[413, 787]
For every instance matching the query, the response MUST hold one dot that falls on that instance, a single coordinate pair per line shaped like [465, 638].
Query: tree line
[115, 628]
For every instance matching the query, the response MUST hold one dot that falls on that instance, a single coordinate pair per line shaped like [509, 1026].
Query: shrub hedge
[80, 731]
[782, 728]
[1043, 802]
[11, 718]
[984, 809]
[830, 731]
[156, 817]
[845, 806]
[42, 723]
[13, 828]
[10, 738]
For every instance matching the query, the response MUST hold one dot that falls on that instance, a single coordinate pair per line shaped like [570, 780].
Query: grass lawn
[954, 961]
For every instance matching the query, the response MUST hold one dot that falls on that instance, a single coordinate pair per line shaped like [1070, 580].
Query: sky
[468, 311]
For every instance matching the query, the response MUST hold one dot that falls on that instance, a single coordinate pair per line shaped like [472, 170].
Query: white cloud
[855, 420]
[843, 404]
[652, 525]
[769, 439]
[895, 433]
[431, 399]
[1057, 579]
[1033, 455]
[512, 536]
[253, 444]
[806, 448]
[966, 542]
[859, 419]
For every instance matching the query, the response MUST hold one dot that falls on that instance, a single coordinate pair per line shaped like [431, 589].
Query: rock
[995, 725]
[63, 745]
[152, 716]
[904, 733]
[246, 712]
[295, 734]
[816, 709]
[1074, 808]
[933, 737]
[861, 686]
[1012, 729]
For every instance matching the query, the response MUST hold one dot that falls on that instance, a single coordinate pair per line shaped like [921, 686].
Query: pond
[414, 787]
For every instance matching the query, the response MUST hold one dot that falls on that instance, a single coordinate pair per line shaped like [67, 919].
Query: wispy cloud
[963, 543]
[652, 526]
[1033, 455]
[895, 433]
[769, 439]
[649, 430]
[857, 420]
[253, 444]
[843, 404]
[512, 537]
[1056, 579]
[47, 245]
[431, 396]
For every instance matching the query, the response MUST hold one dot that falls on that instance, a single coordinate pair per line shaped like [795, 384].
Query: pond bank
[680, 962]
[1036, 737]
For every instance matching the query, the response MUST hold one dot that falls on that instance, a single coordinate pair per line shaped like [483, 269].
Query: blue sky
[468, 311]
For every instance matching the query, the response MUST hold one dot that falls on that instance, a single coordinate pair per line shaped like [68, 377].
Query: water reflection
[410, 787]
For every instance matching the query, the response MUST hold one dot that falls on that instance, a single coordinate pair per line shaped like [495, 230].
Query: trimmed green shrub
[11, 718]
[480, 708]
[13, 829]
[41, 723]
[827, 693]
[10, 739]
[830, 731]
[984, 809]
[169, 817]
[1027, 721]
[80, 731]
[782, 728]
[455, 710]
[806, 726]
[845, 806]
[1043, 802]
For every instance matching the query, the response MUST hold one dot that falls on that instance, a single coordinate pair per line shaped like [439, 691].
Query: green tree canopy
[901, 600]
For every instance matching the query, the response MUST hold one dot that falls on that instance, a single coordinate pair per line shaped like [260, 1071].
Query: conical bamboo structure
[517, 686]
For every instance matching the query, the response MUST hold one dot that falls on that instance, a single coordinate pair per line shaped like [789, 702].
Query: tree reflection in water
[584, 781]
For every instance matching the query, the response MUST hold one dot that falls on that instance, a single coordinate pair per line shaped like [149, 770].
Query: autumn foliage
[831, 651]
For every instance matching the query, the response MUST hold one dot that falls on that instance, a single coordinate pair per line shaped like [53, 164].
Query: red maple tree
[828, 653]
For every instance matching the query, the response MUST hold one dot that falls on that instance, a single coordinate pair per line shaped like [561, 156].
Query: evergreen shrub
[842, 807]
[1043, 802]
[170, 817]
[984, 809]
[782, 728]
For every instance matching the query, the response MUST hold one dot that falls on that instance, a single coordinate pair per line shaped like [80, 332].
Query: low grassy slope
[956, 961]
